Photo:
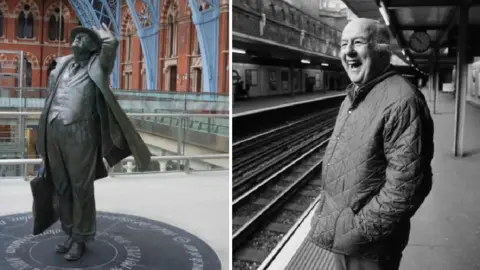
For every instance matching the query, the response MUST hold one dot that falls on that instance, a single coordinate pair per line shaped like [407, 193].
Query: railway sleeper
[289, 206]
[279, 227]
[317, 182]
[310, 193]
[239, 220]
[251, 255]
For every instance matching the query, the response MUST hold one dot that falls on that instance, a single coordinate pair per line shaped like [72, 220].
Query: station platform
[258, 104]
[147, 221]
[445, 232]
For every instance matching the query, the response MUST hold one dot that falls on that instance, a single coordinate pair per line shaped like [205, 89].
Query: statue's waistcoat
[74, 99]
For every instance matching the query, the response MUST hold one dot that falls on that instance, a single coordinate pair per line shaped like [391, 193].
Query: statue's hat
[80, 29]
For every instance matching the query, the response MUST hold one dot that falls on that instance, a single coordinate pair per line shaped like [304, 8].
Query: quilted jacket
[376, 170]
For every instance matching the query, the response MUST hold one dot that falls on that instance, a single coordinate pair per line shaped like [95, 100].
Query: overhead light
[305, 61]
[384, 13]
[325, 64]
[403, 51]
[238, 51]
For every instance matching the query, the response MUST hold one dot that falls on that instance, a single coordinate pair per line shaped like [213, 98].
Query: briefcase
[44, 214]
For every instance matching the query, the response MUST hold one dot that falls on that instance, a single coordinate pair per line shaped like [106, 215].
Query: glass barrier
[191, 133]
[33, 99]
[165, 134]
[187, 164]
[197, 164]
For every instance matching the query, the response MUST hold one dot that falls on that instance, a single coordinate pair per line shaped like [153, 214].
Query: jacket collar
[356, 95]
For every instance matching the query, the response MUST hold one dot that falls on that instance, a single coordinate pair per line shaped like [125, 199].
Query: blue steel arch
[207, 24]
[147, 25]
[92, 13]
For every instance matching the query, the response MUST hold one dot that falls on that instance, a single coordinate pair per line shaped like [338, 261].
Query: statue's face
[83, 43]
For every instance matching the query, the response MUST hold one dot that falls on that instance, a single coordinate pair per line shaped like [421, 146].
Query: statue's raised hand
[104, 32]
[108, 48]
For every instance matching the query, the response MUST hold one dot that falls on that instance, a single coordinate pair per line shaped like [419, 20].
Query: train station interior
[434, 45]
[164, 66]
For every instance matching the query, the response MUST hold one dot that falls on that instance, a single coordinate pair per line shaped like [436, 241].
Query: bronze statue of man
[81, 124]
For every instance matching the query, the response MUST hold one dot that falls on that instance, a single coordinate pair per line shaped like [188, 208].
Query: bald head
[365, 49]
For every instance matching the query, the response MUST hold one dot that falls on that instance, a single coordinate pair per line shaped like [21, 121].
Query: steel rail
[246, 230]
[27, 113]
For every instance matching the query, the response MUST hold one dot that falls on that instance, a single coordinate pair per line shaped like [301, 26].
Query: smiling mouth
[354, 65]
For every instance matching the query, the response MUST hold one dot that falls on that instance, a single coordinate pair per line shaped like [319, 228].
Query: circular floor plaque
[122, 242]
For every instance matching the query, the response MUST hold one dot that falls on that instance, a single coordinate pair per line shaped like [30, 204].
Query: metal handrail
[157, 91]
[223, 115]
[34, 161]
[20, 161]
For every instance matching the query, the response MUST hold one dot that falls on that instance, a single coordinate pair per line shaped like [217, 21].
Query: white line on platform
[292, 246]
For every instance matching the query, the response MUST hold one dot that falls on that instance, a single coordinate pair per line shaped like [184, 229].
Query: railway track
[260, 156]
[262, 217]
[277, 179]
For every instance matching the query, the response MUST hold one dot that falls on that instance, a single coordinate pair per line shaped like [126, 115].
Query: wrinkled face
[83, 43]
[356, 52]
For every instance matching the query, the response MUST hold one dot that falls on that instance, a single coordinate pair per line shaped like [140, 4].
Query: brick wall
[39, 50]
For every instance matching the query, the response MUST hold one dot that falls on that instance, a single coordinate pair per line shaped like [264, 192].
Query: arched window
[128, 52]
[56, 26]
[172, 27]
[28, 74]
[25, 23]
[170, 35]
[1, 23]
[196, 45]
[143, 74]
[199, 52]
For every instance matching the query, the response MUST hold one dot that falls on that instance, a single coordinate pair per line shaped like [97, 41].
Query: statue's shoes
[65, 247]
[76, 252]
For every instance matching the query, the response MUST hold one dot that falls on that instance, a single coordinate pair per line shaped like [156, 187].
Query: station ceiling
[437, 18]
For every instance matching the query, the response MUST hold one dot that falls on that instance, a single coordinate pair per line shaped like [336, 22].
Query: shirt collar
[357, 93]
[81, 63]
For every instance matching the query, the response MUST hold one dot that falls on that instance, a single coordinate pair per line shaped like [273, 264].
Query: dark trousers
[343, 262]
[72, 154]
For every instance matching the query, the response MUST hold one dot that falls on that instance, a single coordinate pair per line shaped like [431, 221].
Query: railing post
[209, 125]
[187, 166]
[111, 172]
[25, 172]
[179, 140]
[163, 165]
[184, 131]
